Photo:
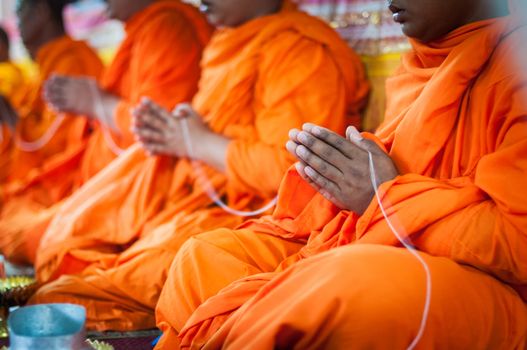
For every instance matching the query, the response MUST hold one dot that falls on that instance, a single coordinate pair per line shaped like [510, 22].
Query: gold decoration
[99, 345]
[14, 291]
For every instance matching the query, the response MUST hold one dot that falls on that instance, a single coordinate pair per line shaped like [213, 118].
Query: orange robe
[313, 276]
[60, 56]
[165, 70]
[120, 233]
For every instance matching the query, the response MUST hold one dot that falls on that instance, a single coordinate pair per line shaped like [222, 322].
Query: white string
[36, 145]
[412, 250]
[101, 112]
[209, 188]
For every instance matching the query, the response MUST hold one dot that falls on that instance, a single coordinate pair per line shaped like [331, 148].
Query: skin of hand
[8, 115]
[338, 167]
[161, 133]
[81, 96]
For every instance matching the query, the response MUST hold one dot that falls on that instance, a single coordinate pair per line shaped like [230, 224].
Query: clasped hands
[75, 95]
[339, 167]
[335, 166]
[161, 132]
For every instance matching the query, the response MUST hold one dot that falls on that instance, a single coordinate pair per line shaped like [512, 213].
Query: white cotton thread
[412, 250]
[209, 188]
[33, 146]
[101, 112]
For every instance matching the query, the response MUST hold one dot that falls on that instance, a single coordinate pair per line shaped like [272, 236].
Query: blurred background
[85, 19]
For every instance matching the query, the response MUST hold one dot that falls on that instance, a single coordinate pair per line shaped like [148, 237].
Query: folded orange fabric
[61, 56]
[259, 81]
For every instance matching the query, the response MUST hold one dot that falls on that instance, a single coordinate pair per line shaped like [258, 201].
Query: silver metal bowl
[48, 326]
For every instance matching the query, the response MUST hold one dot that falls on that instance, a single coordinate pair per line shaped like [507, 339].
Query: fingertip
[182, 110]
[299, 166]
[310, 171]
[354, 135]
[308, 127]
[303, 137]
[291, 147]
[300, 169]
[301, 151]
[293, 133]
[186, 106]
[316, 130]
[145, 102]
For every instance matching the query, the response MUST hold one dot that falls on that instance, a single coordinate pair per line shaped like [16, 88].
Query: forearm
[105, 108]
[212, 150]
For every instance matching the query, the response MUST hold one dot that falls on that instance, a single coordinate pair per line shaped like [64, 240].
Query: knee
[195, 249]
[48, 293]
[196, 263]
[196, 274]
[206, 250]
[203, 241]
[382, 290]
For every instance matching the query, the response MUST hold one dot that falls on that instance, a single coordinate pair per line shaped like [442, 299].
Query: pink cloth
[366, 24]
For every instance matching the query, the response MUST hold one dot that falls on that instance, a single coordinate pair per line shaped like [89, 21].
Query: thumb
[183, 110]
[355, 137]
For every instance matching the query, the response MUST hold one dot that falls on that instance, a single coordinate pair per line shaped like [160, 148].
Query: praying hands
[181, 134]
[338, 167]
[81, 96]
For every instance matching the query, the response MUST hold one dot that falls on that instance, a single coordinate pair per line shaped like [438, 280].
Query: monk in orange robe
[326, 270]
[165, 70]
[39, 139]
[11, 79]
[269, 69]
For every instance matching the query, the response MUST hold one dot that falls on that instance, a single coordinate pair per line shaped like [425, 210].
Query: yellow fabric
[378, 69]
[11, 78]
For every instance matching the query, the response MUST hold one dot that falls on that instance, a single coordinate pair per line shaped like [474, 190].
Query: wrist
[105, 107]
[197, 149]
[212, 149]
